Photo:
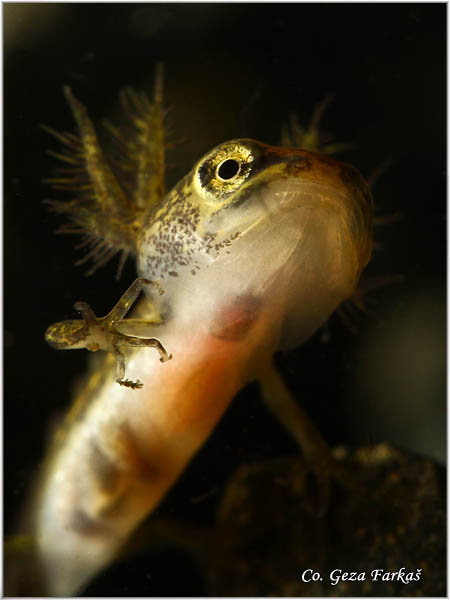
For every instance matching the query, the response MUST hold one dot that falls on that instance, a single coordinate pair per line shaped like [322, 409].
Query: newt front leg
[103, 333]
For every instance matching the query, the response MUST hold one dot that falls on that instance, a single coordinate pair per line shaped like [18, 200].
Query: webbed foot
[94, 333]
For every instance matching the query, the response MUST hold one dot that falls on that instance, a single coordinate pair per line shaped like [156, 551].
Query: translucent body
[253, 265]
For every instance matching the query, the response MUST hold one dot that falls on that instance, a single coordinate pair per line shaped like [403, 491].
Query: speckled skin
[175, 233]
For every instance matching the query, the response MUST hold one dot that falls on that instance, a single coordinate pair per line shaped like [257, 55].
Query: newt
[253, 250]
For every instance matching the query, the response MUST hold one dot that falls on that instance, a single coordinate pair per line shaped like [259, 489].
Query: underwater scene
[253, 196]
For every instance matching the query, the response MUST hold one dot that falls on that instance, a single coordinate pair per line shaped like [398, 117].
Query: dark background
[233, 71]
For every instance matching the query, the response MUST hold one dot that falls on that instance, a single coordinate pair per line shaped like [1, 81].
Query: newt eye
[221, 172]
[228, 169]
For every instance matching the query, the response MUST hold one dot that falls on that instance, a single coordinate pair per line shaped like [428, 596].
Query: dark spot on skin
[106, 472]
[137, 462]
[294, 165]
[234, 321]
[173, 273]
[83, 524]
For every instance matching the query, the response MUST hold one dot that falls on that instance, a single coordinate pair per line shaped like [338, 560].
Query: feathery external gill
[140, 145]
[110, 196]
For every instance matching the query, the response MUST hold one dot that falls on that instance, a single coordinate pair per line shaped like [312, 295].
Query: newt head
[236, 190]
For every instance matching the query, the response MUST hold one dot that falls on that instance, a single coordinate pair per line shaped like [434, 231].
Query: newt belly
[129, 447]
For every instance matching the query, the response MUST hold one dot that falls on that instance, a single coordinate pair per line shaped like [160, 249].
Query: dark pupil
[228, 169]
